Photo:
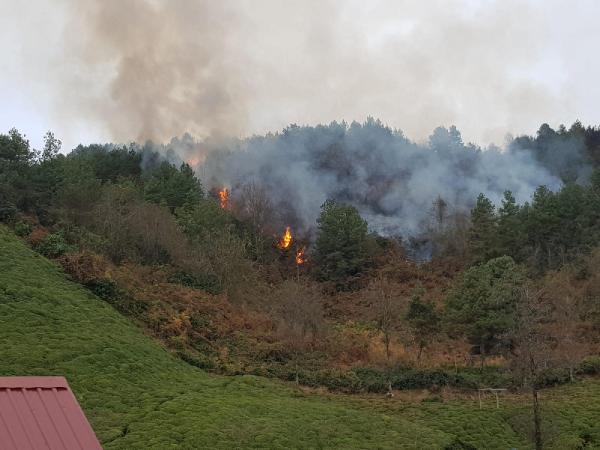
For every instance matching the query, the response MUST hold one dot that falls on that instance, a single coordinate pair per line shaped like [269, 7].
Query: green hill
[136, 394]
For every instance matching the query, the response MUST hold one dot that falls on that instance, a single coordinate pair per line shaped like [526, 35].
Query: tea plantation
[137, 395]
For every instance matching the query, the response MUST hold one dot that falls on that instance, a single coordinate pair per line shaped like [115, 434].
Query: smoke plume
[161, 66]
[123, 70]
[390, 179]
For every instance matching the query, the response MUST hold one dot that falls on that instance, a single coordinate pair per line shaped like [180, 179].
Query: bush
[53, 246]
[552, 377]
[22, 229]
[108, 291]
[590, 365]
[105, 289]
[457, 444]
[7, 213]
[197, 360]
[206, 281]
[370, 380]
[83, 267]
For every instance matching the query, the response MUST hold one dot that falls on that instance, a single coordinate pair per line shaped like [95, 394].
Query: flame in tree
[286, 240]
[300, 257]
[224, 198]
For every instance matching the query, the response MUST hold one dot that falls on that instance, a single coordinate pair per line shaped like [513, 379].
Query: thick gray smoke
[159, 67]
[125, 70]
[391, 180]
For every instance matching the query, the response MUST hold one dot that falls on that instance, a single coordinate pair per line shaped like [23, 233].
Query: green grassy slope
[137, 395]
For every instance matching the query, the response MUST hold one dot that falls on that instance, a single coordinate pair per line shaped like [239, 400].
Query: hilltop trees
[15, 156]
[172, 187]
[341, 248]
[52, 146]
[133, 208]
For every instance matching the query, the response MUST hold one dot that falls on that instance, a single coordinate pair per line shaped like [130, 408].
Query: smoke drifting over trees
[390, 179]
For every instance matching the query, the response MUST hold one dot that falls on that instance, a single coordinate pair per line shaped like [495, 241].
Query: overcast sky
[122, 70]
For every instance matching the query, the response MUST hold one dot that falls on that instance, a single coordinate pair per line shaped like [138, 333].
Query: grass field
[137, 395]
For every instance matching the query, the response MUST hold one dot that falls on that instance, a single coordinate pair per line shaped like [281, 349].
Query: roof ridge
[33, 382]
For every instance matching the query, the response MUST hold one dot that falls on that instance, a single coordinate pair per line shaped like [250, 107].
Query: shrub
[552, 377]
[590, 365]
[206, 281]
[53, 246]
[7, 213]
[84, 267]
[457, 444]
[197, 360]
[22, 229]
[105, 289]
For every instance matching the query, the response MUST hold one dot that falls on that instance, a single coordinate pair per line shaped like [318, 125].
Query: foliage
[54, 245]
[126, 381]
[206, 281]
[52, 146]
[22, 228]
[567, 153]
[590, 365]
[109, 163]
[15, 158]
[171, 187]
[136, 230]
[483, 303]
[545, 234]
[482, 235]
[423, 320]
[340, 248]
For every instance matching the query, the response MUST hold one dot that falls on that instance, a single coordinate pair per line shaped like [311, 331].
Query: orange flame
[224, 198]
[300, 257]
[286, 239]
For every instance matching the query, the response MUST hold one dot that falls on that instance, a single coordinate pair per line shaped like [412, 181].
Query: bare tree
[254, 205]
[299, 308]
[568, 312]
[387, 312]
[226, 252]
[531, 348]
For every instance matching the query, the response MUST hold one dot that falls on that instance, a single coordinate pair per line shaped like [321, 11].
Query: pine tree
[483, 233]
[340, 249]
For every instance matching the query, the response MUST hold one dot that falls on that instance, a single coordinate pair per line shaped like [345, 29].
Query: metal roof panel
[42, 413]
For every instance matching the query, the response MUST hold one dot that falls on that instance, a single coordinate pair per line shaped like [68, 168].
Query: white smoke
[390, 179]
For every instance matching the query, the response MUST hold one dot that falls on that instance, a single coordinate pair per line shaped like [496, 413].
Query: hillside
[137, 395]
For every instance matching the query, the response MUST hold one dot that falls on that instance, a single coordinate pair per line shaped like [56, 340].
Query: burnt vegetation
[466, 290]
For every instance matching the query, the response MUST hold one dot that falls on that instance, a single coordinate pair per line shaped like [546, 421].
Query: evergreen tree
[340, 250]
[482, 306]
[52, 146]
[510, 227]
[482, 236]
[173, 188]
[423, 321]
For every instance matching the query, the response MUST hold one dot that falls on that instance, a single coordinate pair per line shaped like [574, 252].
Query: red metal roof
[42, 413]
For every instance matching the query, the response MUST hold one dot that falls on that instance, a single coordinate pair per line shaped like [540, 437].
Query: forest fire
[224, 198]
[300, 256]
[286, 240]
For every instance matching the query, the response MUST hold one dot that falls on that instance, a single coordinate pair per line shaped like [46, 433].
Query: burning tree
[224, 198]
[285, 242]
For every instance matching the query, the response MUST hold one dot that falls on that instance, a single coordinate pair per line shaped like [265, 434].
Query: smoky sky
[124, 70]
